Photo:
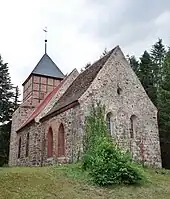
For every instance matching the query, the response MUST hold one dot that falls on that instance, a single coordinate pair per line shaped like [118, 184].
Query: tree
[6, 93]
[16, 98]
[8, 104]
[158, 53]
[134, 64]
[164, 111]
[5, 130]
[146, 76]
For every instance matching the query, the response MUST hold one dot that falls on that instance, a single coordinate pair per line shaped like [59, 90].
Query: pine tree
[5, 130]
[16, 98]
[134, 64]
[8, 103]
[146, 77]
[158, 55]
[164, 111]
[6, 93]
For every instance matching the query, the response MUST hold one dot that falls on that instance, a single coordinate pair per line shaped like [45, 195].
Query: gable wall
[131, 101]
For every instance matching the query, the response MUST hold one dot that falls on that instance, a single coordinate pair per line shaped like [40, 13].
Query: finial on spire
[45, 30]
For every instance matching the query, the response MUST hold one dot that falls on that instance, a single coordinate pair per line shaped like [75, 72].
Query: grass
[68, 182]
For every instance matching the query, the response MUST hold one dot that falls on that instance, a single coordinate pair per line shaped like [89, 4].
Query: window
[27, 145]
[109, 122]
[19, 148]
[61, 141]
[50, 143]
[132, 125]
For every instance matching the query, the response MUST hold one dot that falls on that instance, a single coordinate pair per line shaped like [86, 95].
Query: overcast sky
[78, 30]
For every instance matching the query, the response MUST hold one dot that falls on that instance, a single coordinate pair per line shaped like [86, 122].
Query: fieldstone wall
[18, 118]
[118, 88]
[34, 158]
[73, 135]
[38, 140]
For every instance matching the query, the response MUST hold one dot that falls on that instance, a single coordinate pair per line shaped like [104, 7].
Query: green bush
[106, 163]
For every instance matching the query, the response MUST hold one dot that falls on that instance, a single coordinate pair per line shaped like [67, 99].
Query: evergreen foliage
[146, 76]
[16, 98]
[164, 100]
[8, 104]
[5, 130]
[158, 53]
[6, 93]
[134, 64]
[164, 111]
[106, 163]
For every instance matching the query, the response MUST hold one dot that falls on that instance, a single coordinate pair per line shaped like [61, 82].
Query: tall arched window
[19, 148]
[61, 141]
[50, 143]
[109, 122]
[132, 125]
[27, 145]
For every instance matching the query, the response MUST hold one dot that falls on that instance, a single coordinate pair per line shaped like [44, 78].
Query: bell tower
[42, 80]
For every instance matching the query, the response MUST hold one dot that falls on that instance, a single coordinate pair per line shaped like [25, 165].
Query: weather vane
[45, 30]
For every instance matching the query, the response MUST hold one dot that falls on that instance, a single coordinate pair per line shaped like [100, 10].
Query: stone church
[48, 126]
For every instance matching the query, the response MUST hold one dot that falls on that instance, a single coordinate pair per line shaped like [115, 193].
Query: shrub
[107, 163]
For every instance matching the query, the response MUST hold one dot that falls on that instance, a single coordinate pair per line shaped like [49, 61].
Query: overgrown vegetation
[106, 163]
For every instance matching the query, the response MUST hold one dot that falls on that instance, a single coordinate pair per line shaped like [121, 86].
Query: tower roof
[47, 67]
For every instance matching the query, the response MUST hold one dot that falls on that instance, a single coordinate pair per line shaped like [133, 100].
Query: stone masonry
[110, 80]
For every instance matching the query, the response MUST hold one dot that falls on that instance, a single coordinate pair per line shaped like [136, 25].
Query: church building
[48, 126]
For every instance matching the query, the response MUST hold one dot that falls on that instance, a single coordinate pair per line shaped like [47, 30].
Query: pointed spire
[45, 30]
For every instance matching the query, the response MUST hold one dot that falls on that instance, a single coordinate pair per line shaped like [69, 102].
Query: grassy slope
[68, 182]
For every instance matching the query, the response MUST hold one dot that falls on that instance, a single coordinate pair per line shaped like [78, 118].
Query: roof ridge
[80, 84]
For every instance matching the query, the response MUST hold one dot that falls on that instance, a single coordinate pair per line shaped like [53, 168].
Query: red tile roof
[41, 106]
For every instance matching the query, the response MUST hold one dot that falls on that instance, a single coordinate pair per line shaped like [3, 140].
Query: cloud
[78, 31]
[126, 21]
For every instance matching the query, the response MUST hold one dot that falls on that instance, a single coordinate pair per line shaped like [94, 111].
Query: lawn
[68, 182]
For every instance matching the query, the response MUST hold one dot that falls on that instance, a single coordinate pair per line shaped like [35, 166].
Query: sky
[78, 31]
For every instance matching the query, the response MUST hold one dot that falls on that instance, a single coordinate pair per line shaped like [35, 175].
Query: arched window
[61, 141]
[19, 148]
[27, 145]
[50, 143]
[132, 125]
[109, 122]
